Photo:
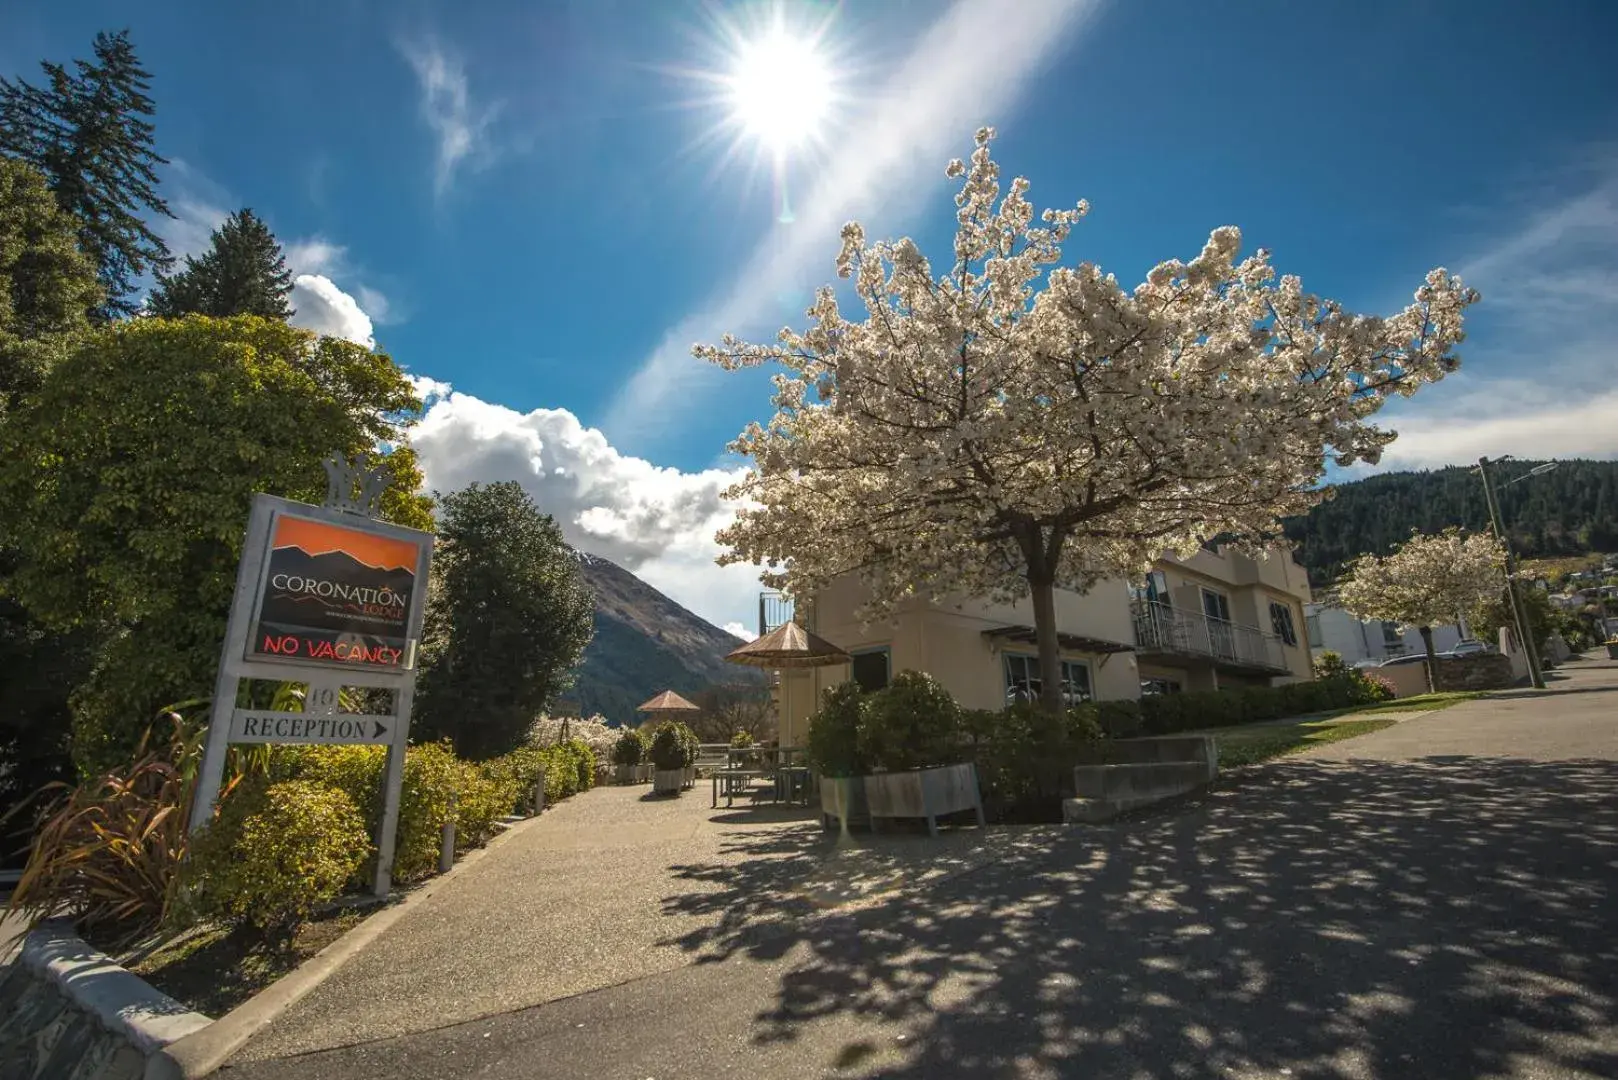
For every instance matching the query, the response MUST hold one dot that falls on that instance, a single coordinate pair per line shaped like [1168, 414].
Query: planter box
[1612, 650]
[623, 774]
[668, 781]
[842, 801]
[924, 793]
[643, 774]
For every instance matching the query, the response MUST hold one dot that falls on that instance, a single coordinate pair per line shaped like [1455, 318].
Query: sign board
[266, 726]
[334, 594]
[330, 597]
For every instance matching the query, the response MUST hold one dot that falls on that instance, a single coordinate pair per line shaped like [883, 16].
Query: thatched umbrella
[667, 706]
[788, 646]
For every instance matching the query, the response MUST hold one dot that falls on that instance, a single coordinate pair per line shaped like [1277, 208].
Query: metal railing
[774, 610]
[1161, 628]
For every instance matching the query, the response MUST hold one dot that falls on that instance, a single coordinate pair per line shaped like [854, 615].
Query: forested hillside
[1571, 509]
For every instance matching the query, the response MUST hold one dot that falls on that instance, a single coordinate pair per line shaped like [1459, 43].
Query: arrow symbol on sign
[381, 729]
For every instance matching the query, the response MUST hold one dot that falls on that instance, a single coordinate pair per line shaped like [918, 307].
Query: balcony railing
[774, 610]
[1160, 628]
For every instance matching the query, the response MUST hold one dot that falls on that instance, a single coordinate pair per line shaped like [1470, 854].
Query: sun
[780, 88]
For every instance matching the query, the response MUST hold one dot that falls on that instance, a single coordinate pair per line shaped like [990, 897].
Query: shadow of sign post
[331, 597]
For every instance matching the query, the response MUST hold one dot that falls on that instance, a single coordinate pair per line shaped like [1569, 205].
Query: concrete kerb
[203, 1050]
[123, 1003]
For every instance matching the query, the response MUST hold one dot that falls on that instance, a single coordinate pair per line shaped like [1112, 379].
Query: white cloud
[316, 255]
[968, 69]
[460, 125]
[324, 308]
[740, 631]
[1538, 380]
[657, 522]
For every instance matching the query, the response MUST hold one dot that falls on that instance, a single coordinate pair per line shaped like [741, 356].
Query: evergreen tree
[508, 617]
[87, 131]
[243, 272]
[46, 283]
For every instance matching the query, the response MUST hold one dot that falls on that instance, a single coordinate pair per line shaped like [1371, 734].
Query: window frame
[1224, 604]
[1168, 686]
[1285, 627]
[1031, 661]
[886, 652]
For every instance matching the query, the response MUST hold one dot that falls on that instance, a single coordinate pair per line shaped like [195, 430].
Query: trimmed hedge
[1168, 714]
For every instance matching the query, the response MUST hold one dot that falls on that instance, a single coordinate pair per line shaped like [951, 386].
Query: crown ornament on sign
[352, 488]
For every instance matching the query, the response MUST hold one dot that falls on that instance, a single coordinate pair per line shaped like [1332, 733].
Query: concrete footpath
[1439, 899]
[609, 886]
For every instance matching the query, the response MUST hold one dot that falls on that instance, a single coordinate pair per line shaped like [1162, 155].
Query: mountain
[1567, 511]
[644, 642]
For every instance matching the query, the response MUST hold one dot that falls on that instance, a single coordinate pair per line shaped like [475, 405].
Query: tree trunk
[1432, 658]
[1050, 652]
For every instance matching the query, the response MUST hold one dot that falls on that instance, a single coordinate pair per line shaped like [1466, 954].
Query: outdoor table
[732, 780]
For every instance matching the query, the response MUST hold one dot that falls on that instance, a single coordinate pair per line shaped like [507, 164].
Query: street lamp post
[1519, 616]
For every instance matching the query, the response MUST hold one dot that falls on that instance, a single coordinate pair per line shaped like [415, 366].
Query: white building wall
[1356, 639]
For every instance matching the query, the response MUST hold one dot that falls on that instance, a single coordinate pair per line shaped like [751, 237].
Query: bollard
[446, 840]
[539, 793]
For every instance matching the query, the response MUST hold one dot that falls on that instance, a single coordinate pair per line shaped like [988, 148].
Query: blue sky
[540, 204]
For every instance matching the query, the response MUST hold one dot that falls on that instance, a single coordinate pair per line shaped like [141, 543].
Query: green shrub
[278, 851]
[1116, 719]
[1025, 757]
[690, 744]
[628, 749]
[741, 740]
[430, 774]
[912, 723]
[668, 750]
[1330, 665]
[834, 731]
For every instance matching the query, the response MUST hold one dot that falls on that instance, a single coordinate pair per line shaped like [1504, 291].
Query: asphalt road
[1434, 900]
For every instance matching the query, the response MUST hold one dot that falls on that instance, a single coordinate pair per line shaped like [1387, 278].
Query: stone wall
[1481, 671]
[44, 1036]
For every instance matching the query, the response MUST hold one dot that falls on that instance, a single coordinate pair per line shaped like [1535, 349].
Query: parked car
[1412, 658]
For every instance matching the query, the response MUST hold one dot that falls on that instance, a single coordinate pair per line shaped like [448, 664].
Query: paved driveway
[1436, 900]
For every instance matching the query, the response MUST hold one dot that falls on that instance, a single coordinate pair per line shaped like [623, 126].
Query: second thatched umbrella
[788, 646]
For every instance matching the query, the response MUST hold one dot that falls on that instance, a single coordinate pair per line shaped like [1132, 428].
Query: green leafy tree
[125, 485]
[88, 130]
[46, 283]
[243, 272]
[508, 618]
[46, 287]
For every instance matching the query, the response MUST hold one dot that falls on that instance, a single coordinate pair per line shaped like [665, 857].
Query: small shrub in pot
[912, 723]
[834, 731]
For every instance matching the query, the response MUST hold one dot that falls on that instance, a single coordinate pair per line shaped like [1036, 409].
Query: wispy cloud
[460, 124]
[968, 69]
[1539, 378]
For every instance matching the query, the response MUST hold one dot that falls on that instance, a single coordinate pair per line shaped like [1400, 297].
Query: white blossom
[1014, 424]
[1427, 581]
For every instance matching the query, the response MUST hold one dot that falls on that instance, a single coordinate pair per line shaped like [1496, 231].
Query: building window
[1023, 670]
[870, 669]
[1311, 626]
[1215, 605]
[1152, 589]
[1159, 686]
[1281, 623]
[1391, 638]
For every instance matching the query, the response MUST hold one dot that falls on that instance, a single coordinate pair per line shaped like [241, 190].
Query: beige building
[1214, 620]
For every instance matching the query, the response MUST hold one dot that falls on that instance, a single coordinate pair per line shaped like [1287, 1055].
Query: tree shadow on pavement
[1415, 919]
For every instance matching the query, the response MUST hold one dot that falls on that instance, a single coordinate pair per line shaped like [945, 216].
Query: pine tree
[243, 272]
[87, 131]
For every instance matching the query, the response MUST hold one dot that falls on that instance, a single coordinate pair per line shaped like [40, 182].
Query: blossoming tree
[1426, 581]
[1011, 426]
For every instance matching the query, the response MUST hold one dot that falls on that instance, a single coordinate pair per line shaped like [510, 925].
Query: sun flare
[780, 88]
